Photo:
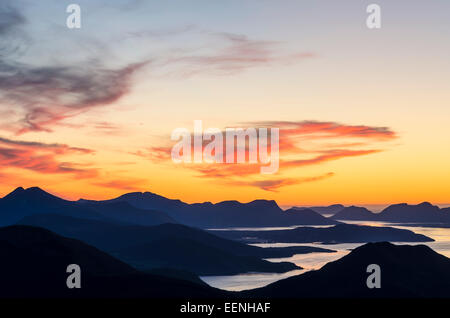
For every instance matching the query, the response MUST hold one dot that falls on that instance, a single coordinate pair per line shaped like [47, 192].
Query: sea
[314, 261]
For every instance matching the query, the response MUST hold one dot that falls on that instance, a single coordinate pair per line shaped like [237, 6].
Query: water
[266, 228]
[313, 261]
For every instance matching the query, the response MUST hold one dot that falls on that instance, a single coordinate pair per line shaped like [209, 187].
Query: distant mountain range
[258, 213]
[406, 272]
[341, 233]
[24, 202]
[398, 213]
[151, 209]
[326, 210]
[145, 245]
[355, 213]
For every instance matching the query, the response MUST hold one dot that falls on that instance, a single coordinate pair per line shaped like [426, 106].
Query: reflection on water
[314, 261]
[266, 228]
[246, 281]
[439, 234]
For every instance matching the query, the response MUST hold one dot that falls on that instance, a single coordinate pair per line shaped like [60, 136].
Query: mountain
[169, 245]
[37, 260]
[21, 203]
[330, 209]
[309, 217]
[423, 212]
[355, 213]
[258, 213]
[341, 233]
[200, 258]
[151, 209]
[25, 202]
[446, 211]
[125, 212]
[406, 272]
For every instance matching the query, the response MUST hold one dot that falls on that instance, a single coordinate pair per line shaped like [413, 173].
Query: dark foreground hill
[170, 245]
[34, 263]
[406, 271]
[341, 233]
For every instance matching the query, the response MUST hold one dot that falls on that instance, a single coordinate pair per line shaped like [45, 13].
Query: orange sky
[362, 113]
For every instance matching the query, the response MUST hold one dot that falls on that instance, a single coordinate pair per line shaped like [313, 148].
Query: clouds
[293, 133]
[10, 18]
[43, 158]
[43, 95]
[48, 95]
[13, 40]
[230, 53]
[126, 184]
[320, 129]
[46, 92]
[301, 144]
[274, 184]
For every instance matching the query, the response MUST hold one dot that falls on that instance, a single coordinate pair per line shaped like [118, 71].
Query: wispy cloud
[234, 53]
[42, 157]
[122, 184]
[44, 95]
[47, 95]
[328, 129]
[274, 184]
[302, 143]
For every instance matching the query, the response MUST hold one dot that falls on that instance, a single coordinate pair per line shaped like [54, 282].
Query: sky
[363, 113]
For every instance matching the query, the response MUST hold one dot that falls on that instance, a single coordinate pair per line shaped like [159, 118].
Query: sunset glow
[363, 114]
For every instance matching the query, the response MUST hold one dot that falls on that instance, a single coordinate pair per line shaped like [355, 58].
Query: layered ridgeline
[126, 250]
[258, 213]
[151, 209]
[36, 261]
[405, 271]
[150, 238]
[24, 202]
[147, 239]
[170, 246]
[398, 213]
[324, 210]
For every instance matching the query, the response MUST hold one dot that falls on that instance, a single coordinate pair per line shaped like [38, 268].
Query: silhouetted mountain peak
[33, 193]
[303, 211]
[354, 213]
[272, 204]
[408, 271]
[330, 209]
[228, 203]
[36, 191]
[14, 193]
[145, 196]
[425, 204]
